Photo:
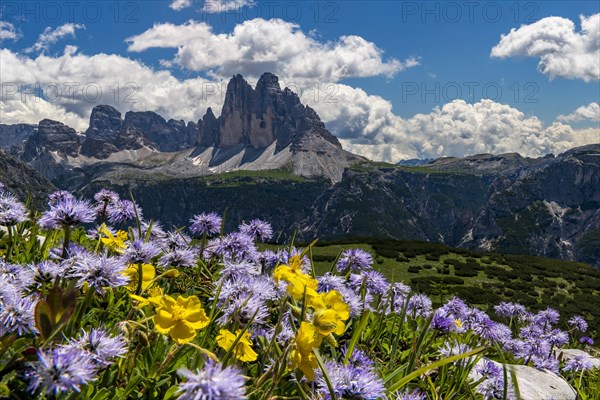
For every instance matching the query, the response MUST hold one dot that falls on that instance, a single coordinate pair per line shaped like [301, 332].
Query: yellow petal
[245, 353]
[167, 302]
[225, 339]
[182, 332]
[163, 321]
[197, 319]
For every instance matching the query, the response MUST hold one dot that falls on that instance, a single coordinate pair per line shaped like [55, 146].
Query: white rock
[535, 384]
[567, 354]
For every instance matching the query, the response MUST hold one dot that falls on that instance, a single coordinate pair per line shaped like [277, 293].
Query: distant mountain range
[269, 156]
[265, 128]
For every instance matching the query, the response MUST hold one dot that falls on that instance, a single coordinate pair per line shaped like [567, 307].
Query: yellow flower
[458, 323]
[330, 313]
[297, 281]
[115, 243]
[302, 356]
[148, 274]
[243, 349]
[156, 295]
[180, 318]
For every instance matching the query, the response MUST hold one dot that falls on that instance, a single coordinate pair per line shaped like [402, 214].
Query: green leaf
[171, 392]
[4, 390]
[402, 382]
[43, 319]
[103, 394]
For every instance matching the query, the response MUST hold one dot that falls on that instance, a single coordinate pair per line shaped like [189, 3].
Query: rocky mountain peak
[52, 136]
[14, 137]
[208, 129]
[259, 117]
[267, 82]
[105, 123]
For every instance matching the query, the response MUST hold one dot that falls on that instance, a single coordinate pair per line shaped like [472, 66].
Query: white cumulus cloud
[75, 83]
[51, 36]
[180, 4]
[274, 45]
[590, 112]
[563, 52]
[219, 6]
[8, 32]
[367, 125]
[213, 6]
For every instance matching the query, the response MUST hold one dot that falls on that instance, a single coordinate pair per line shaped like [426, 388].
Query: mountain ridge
[254, 122]
[267, 155]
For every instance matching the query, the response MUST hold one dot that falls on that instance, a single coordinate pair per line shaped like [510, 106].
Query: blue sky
[449, 42]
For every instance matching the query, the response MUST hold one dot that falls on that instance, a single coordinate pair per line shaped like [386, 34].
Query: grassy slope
[482, 279]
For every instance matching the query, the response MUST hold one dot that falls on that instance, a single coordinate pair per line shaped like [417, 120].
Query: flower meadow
[97, 302]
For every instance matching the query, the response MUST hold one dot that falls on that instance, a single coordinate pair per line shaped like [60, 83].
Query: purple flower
[350, 382]
[398, 296]
[578, 363]
[329, 282]
[268, 260]
[257, 229]
[510, 310]
[354, 260]
[12, 211]
[75, 253]
[493, 388]
[442, 322]
[586, 340]
[456, 308]
[67, 212]
[579, 323]
[373, 281]
[545, 362]
[419, 305]
[491, 330]
[235, 246]
[360, 360]
[237, 269]
[547, 317]
[16, 275]
[60, 195]
[174, 240]
[101, 345]
[62, 369]
[489, 369]
[106, 196]
[45, 272]
[206, 224]
[414, 395]
[245, 297]
[16, 313]
[531, 331]
[100, 272]
[154, 228]
[245, 308]
[557, 338]
[179, 257]
[7, 289]
[212, 383]
[140, 252]
[123, 211]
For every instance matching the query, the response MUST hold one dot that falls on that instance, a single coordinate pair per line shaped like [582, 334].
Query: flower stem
[66, 242]
[138, 290]
[10, 244]
[86, 302]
